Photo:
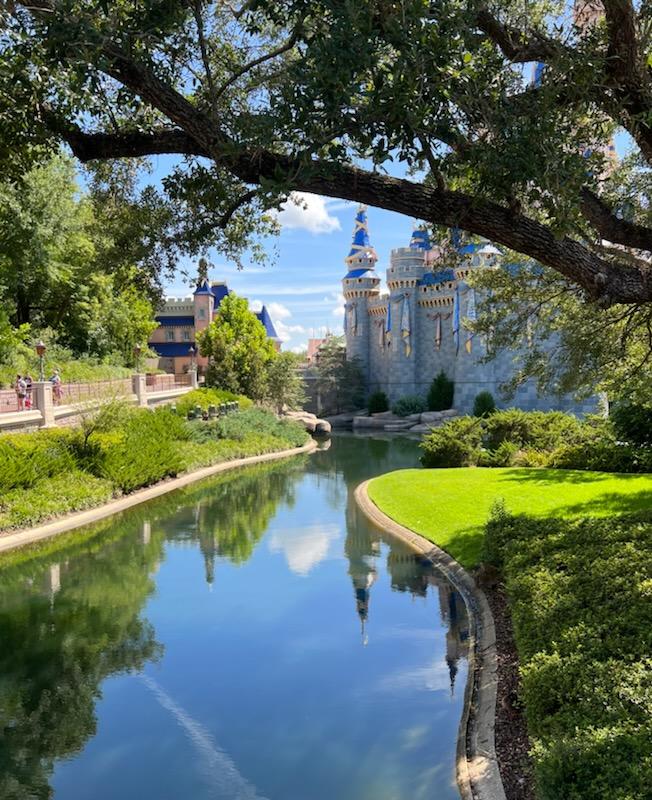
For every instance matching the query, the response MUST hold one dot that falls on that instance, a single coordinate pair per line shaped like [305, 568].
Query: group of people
[23, 388]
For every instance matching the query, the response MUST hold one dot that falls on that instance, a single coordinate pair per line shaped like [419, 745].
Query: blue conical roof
[361, 246]
[420, 240]
[203, 287]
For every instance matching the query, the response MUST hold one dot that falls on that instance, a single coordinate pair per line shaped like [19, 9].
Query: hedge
[580, 594]
[119, 450]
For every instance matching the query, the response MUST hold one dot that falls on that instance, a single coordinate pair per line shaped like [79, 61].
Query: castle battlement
[403, 339]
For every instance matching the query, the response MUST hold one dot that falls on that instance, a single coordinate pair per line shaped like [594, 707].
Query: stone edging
[478, 776]
[27, 536]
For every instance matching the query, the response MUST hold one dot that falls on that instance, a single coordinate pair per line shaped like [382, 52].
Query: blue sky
[301, 286]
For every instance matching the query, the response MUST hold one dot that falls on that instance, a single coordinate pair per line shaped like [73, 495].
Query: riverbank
[572, 574]
[454, 504]
[10, 540]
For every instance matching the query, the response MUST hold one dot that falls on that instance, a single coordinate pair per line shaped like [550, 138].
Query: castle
[180, 318]
[404, 339]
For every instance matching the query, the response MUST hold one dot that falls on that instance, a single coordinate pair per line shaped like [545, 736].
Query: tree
[266, 98]
[290, 95]
[340, 382]
[45, 245]
[284, 383]
[238, 349]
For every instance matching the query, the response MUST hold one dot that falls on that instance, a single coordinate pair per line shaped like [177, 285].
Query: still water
[249, 637]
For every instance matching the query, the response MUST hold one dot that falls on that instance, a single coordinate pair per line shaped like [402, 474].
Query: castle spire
[361, 251]
[420, 239]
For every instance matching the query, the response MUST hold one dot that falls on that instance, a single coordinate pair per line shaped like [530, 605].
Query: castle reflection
[408, 573]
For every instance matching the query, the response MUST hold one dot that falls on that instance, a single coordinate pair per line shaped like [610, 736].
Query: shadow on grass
[607, 503]
[534, 475]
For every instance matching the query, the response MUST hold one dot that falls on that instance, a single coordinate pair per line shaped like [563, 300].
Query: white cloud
[308, 212]
[255, 306]
[338, 299]
[299, 348]
[278, 310]
[284, 331]
[304, 547]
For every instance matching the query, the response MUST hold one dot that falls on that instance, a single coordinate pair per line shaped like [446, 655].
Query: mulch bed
[512, 742]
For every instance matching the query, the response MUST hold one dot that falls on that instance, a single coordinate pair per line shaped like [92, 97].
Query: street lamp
[137, 352]
[192, 352]
[40, 352]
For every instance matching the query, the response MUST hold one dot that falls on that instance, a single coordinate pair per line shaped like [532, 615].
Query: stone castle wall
[388, 367]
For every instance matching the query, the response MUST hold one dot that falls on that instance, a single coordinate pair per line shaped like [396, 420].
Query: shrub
[579, 594]
[209, 397]
[26, 458]
[59, 494]
[632, 423]
[378, 403]
[143, 451]
[239, 426]
[541, 430]
[410, 404]
[503, 456]
[441, 393]
[455, 444]
[484, 404]
[602, 456]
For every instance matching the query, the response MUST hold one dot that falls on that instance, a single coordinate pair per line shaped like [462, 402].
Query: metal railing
[159, 383]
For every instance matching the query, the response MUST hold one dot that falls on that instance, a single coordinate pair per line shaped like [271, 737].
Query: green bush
[632, 423]
[245, 423]
[484, 404]
[62, 493]
[455, 444]
[26, 458]
[580, 599]
[503, 456]
[143, 451]
[541, 430]
[602, 456]
[209, 397]
[378, 403]
[441, 393]
[410, 404]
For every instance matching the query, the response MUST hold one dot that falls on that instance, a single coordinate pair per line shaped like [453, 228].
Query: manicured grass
[451, 506]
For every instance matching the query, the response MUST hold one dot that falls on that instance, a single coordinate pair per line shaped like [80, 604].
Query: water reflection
[270, 645]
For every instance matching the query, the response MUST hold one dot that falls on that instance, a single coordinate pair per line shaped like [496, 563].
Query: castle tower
[359, 285]
[203, 305]
[407, 268]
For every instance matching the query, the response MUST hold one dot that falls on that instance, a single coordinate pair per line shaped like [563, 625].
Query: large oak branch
[600, 278]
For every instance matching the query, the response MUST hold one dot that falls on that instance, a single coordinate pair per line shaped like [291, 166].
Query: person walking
[57, 388]
[28, 391]
[21, 392]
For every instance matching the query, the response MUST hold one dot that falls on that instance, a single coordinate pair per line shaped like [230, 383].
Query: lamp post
[137, 352]
[40, 352]
[192, 352]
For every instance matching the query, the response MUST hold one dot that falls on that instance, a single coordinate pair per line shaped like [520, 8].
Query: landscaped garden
[119, 449]
[573, 549]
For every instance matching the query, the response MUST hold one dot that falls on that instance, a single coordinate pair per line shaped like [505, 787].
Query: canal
[249, 637]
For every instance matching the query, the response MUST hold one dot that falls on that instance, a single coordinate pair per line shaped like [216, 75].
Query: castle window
[186, 336]
[169, 336]
[202, 313]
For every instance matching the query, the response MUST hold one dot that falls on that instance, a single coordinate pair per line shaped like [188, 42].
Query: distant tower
[359, 285]
[204, 305]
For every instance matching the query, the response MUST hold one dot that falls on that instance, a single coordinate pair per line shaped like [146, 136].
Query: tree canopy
[238, 349]
[417, 107]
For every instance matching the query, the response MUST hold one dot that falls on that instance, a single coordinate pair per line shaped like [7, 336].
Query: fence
[72, 393]
[161, 383]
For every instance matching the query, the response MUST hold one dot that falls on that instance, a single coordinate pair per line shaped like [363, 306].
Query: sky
[301, 286]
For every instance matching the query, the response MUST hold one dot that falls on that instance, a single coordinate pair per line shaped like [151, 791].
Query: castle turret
[407, 267]
[359, 285]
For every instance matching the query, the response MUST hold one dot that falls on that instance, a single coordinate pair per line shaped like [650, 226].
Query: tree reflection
[67, 622]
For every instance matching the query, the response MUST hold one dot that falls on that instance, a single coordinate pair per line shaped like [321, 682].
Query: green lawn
[451, 506]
